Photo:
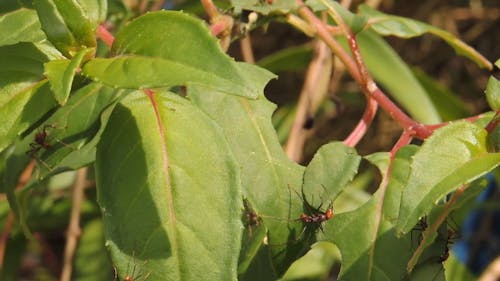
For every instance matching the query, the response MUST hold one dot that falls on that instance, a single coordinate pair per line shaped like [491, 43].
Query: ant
[250, 217]
[314, 217]
[451, 236]
[421, 226]
[40, 141]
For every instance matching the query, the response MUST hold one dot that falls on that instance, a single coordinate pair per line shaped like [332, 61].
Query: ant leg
[43, 163]
[146, 276]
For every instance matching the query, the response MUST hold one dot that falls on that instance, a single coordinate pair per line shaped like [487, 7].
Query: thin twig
[246, 49]
[73, 231]
[315, 88]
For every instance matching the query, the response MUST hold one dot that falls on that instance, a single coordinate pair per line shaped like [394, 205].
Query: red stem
[363, 124]
[103, 34]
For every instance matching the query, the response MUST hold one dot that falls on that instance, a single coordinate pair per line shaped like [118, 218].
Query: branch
[357, 70]
[314, 89]
[73, 231]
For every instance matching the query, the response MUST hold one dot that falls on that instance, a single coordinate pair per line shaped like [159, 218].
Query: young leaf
[66, 25]
[20, 26]
[493, 93]
[175, 216]
[61, 73]
[332, 167]
[453, 156]
[406, 28]
[168, 48]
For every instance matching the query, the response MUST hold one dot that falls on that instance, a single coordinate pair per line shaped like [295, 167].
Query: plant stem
[106, 37]
[73, 231]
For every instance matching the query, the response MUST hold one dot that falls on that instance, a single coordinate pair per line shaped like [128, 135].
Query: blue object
[480, 234]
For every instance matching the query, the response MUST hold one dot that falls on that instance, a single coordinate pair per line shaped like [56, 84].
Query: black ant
[421, 226]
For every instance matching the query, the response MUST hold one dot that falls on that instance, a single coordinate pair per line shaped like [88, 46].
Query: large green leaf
[20, 26]
[169, 188]
[66, 25]
[270, 180]
[394, 74]
[406, 28]
[453, 156]
[24, 96]
[170, 48]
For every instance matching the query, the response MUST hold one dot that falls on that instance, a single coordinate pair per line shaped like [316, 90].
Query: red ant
[449, 241]
[40, 141]
[315, 217]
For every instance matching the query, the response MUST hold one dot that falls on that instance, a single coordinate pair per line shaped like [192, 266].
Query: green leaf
[270, 181]
[394, 74]
[366, 237]
[174, 216]
[69, 128]
[330, 170]
[493, 93]
[263, 6]
[24, 96]
[61, 73]
[66, 25]
[315, 265]
[170, 48]
[288, 59]
[355, 22]
[20, 26]
[91, 257]
[96, 10]
[402, 27]
[449, 106]
[453, 156]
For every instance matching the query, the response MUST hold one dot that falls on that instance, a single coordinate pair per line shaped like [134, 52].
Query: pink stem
[106, 37]
[363, 124]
